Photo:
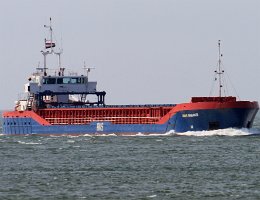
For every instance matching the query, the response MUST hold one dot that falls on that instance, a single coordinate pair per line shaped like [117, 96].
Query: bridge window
[70, 80]
[59, 80]
[49, 81]
[75, 80]
[64, 80]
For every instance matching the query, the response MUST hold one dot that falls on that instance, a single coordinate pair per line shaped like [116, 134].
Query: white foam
[31, 143]
[70, 141]
[104, 135]
[87, 135]
[169, 133]
[73, 136]
[152, 196]
[220, 132]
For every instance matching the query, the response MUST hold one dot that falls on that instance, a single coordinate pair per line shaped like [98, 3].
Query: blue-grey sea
[222, 164]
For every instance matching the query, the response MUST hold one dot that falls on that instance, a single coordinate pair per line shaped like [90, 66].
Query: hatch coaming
[144, 114]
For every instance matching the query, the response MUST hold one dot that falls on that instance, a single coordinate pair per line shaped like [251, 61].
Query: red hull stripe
[26, 114]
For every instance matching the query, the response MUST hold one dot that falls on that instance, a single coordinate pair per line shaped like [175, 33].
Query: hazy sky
[143, 51]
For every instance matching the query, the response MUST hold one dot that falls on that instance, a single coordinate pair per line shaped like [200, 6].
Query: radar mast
[49, 43]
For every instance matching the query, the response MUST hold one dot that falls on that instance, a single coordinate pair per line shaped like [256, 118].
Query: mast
[220, 72]
[51, 44]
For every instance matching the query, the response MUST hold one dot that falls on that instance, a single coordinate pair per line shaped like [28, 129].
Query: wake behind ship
[59, 103]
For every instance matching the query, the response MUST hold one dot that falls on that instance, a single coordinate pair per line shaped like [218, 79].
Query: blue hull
[182, 121]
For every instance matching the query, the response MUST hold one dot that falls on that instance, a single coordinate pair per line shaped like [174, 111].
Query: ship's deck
[70, 106]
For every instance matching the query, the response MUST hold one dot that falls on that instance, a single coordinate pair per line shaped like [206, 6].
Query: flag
[49, 44]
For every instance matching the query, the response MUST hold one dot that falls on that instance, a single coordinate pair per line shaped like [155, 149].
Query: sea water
[221, 164]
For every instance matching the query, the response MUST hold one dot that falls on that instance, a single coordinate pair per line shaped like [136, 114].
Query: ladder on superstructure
[30, 101]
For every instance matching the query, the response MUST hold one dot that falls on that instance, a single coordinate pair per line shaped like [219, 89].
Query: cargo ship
[60, 103]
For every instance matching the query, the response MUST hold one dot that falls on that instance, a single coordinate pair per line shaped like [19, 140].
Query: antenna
[61, 70]
[87, 69]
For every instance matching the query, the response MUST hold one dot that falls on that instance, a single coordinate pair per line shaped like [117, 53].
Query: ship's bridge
[63, 90]
[69, 84]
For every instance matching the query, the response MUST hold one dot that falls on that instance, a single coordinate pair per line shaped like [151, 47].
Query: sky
[143, 51]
